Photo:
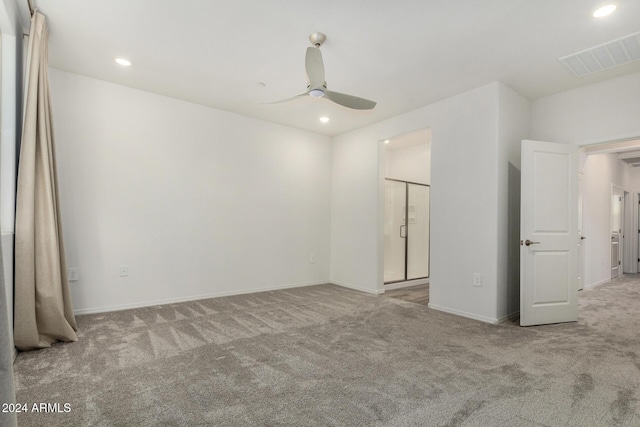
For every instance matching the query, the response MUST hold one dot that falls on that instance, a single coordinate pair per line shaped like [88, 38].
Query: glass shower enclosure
[406, 231]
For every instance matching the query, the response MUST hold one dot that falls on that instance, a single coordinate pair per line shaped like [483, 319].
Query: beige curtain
[43, 311]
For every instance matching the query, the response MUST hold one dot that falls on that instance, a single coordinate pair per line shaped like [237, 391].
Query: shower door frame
[406, 238]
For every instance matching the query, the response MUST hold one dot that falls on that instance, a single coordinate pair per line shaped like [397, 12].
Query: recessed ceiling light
[124, 62]
[604, 11]
[386, 141]
[324, 119]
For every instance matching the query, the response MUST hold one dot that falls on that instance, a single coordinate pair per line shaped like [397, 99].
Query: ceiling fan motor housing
[317, 39]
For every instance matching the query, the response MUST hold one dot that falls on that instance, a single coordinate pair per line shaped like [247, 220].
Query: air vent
[604, 56]
[634, 161]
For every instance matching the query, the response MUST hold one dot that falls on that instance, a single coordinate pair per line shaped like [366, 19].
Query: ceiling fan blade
[349, 101]
[288, 99]
[315, 67]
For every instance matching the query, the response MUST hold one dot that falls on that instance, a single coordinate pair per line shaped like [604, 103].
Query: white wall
[354, 211]
[195, 201]
[10, 133]
[633, 183]
[513, 126]
[411, 164]
[464, 201]
[600, 112]
[475, 151]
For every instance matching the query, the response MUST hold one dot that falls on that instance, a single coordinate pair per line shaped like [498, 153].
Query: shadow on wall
[513, 238]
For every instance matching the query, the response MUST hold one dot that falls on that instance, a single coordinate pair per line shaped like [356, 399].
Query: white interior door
[549, 233]
[616, 232]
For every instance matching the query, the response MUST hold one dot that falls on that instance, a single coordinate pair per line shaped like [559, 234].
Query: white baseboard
[358, 288]
[150, 303]
[464, 314]
[405, 284]
[509, 317]
[593, 285]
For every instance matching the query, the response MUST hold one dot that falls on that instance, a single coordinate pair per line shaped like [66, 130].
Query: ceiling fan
[317, 86]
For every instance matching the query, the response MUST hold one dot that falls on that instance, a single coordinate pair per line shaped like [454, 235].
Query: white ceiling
[402, 54]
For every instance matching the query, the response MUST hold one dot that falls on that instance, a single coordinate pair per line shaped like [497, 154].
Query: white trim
[634, 236]
[382, 161]
[358, 288]
[108, 308]
[593, 285]
[406, 284]
[15, 354]
[509, 317]
[484, 319]
[627, 136]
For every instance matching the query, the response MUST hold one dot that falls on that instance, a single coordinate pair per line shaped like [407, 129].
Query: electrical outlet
[72, 274]
[124, 271]
[477, 279]
[312, 258]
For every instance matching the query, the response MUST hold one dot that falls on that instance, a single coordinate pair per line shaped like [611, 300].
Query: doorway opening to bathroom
[407, 191]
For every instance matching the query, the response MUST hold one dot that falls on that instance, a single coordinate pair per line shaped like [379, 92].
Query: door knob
[529, 242]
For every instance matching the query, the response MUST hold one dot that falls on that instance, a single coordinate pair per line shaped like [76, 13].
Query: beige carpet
[325, 355]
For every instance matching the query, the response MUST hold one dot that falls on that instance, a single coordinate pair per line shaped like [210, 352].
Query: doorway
[610, 217]
[406, 177]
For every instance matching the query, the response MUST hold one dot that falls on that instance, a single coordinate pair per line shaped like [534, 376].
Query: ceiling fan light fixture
[604, 11]
[317, 85]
